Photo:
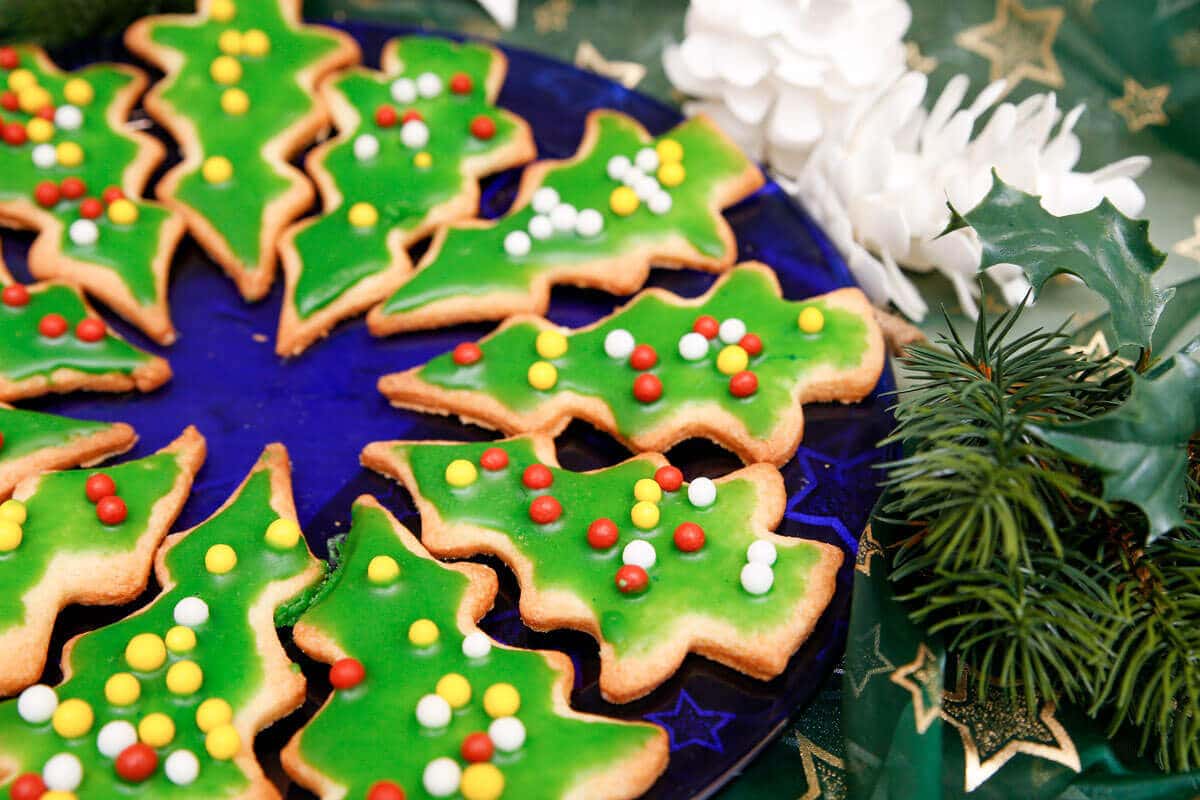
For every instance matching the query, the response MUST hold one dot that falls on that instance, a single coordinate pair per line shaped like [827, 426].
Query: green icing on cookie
[787, 358]
[226, 650]
[335, 254]
[26, 432]
[473, 261]
[278, 86]
[128, 250]
[706, 582]
[25, 352]
[370, 733]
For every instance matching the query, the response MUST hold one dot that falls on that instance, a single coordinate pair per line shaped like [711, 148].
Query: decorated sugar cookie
[651, 566]
[425, 704]
[166, 702]
[71, 168]
[51, 340]
[32, 442]
[599, 219]
[414, 141]
[83, 536]
[239, 97]
[734, 366]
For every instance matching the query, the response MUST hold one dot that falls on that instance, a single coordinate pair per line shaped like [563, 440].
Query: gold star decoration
[1141, 106]
[868, 548]
[915, 60]
[922, 677]
[1018, 43]
[1097, 347]
[1186, 47]
[552, 16]
[1190, 248]
[824, 773]
[993, 730]
[868, 662]
[627, 73]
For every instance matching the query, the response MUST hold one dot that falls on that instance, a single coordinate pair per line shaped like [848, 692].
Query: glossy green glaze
[26, 432]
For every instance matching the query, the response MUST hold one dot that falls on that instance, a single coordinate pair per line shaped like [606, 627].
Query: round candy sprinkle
[544, 510]
[10, 102]
[668, 478]
[114, 737]
[743, 384]
[10, 536]
[363, 215]
[731, 330]
[507, 734]
[460, 83]
[14, 134]
[346, 673]
[72, 719]
[410, 115]
[429, 85]
[640, 553]
[182, 767]
[366, 146]
[619, 344]
[493, 459]
[706, 326]
[44, 156]
[184, 677]
[72, 188]
[551, 344]
[191, 611]
[623, 201]
[112, 194]
[84, 233]
[671, 174]
[29, 786]
[99, 486]
[689, 537]
[212, 714]
[111, 510]
[122, 689]
[476, 645]
[501, 700]
[483, 127]
[466, 354]
[647, 388]
[78, 92]
[9, 58]
[386, 116]
[422, 160]
[46, 194]
[659, 203]
[632, 579]
[235, 101]
[15, 296]
[423, 632]
[403, 90]
[52, 326]
[647, 188]
[122, 212]
[220, 559]
[751, 343]
[617, 166]
[37, 704]
[563, 217]
[414, 134]
[385, 790]
[225, 69]
[461, 473]
[762, 551]
[477, 747]
[589, 223]
[255, 43]
[542, 375]
[540, 227]
[643, 357]
[732, 359]
[441, 777]
[757, 578]
[13, 510]
[433, 711]
[537, 476]
[63, 772]
[669, 151]
[69, 154]
[68, 117]
[382, 570]
[136, 763]
[454, 689]
[693, 346]
[646, 159]
[602, 533]
[702, 492]
[647, 489]
[91, 208]
[230, 42]
[223, 742]
[482, 782]
[811, 320]
[283, 533]
[517, 244]
[544, 200]
[145, 652]
[180, 639]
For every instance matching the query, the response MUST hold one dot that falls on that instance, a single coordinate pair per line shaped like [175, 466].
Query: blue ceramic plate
[324, 407]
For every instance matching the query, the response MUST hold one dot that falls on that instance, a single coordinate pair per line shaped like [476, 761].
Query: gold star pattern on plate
[1140, 106]
[868, 662]
[1186, 47]
[915, 60]
[1190, 248]
[552, 16]
[824, 773]
[922, 677]
[627, 73]
[1018, 42]
[868, 548]
[993, 730]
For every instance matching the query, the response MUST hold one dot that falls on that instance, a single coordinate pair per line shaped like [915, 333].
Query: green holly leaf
[1108, 251]
[1141, 448]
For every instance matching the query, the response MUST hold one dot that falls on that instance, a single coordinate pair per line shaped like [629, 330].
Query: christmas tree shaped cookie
[734, 366]
[599, 219]
[52, 341]
[82, 536]
[415, 140]
[71, 169]
[239, 97]
[426, 705]
[32, 443]
[652, 567]
[166, 702]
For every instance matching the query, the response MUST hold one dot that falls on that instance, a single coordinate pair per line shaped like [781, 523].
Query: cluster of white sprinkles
[553, 216]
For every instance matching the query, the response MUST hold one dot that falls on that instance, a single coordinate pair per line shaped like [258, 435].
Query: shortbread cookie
[166, 702]
[415, 139]
[734, 366]
[51, 340]
[239, 97]
[652, 567]
[71, 168]
[83, 536]
[426, 704]
[600, 219]
[32, 443]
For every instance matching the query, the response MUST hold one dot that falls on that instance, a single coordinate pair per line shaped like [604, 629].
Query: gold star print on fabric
[868, 661]
[627, 73]
[1140, 106]
[1190, 248]
[1186, 47]
[1018, 42]
[915, 60]
[922, 677]
[993, 730]
[552, 15]
[824, 773]
[868, 548]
